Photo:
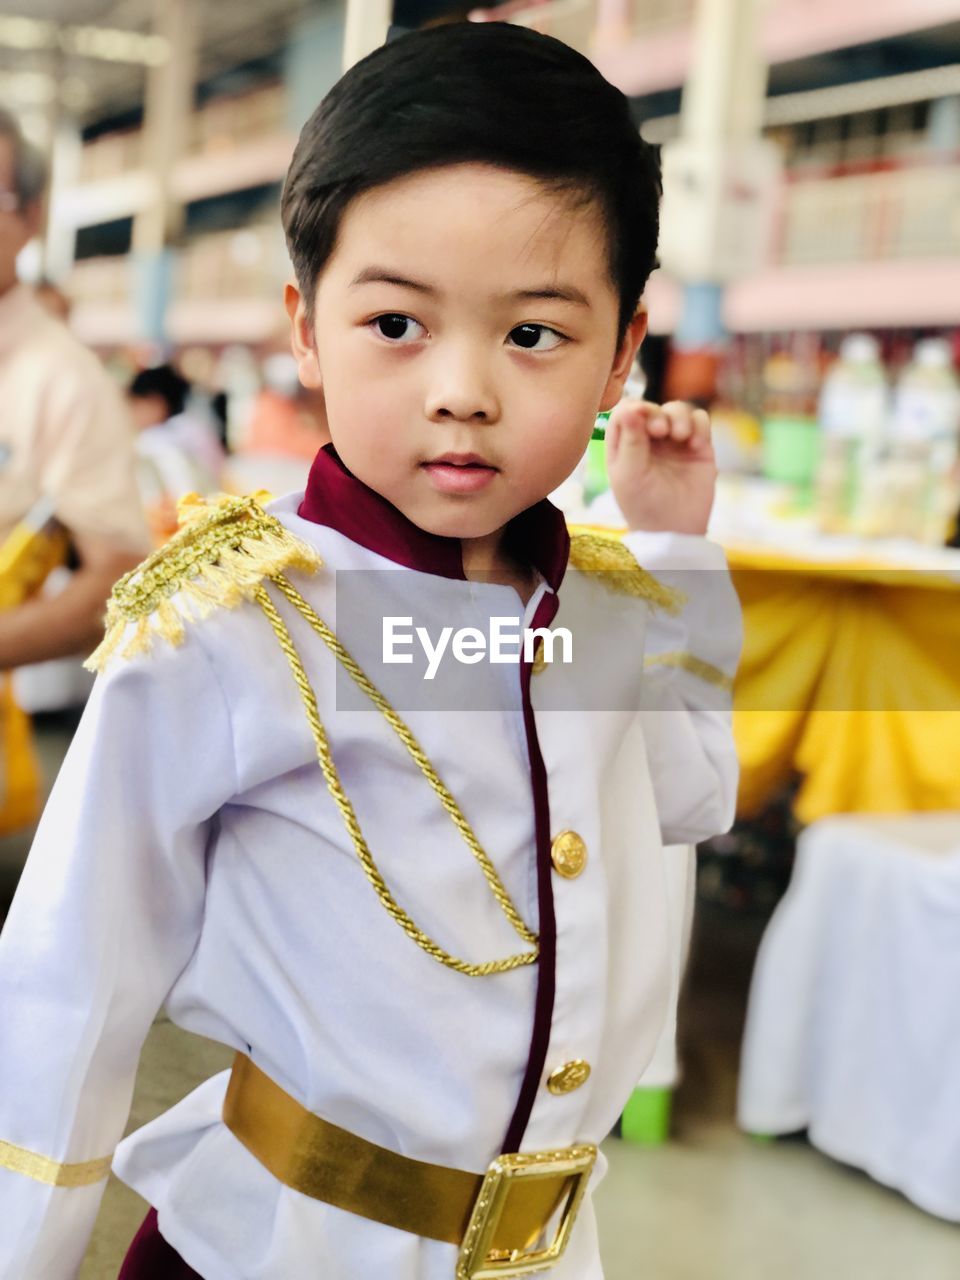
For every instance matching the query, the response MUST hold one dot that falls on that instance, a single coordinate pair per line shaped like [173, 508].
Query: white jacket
[191, 856]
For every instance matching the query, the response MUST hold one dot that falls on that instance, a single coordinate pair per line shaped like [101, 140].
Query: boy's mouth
[459, 472]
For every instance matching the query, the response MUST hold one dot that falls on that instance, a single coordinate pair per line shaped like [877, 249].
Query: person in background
[66, 446]
[64, 436]
[178, 452]
[160, 404]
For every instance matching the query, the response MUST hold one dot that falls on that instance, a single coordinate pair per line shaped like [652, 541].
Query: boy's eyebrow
[380, 275]
[561, 292]
[558, 292]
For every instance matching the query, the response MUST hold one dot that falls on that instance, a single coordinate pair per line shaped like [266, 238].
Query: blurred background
[809, 295]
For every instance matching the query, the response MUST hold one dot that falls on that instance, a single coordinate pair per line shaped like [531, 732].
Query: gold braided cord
[417, 753]
[52, 1172]
[342, 801]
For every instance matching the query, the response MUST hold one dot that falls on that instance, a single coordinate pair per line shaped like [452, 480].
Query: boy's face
[464, 339]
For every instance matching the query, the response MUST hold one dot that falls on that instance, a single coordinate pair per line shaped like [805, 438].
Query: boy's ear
[301, 337]
[636, 332]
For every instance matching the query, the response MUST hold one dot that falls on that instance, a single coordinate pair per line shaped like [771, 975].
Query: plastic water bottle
[925, 443]
[927, 402]
[853, 412]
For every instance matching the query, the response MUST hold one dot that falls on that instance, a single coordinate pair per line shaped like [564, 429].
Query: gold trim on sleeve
[694, 666]
[53, 1172]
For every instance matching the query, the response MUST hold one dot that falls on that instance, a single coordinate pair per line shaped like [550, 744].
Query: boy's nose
[460, 391]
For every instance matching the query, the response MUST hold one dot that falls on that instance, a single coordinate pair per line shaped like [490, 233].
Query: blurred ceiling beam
[838, 100]
[863, 95]
[107, 44]
[791, 29]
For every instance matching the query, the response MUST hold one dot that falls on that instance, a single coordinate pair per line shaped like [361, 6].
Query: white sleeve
[690, 660]
[106, 916]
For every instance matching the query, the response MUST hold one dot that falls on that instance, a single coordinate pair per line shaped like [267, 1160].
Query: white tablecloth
[853, 1027]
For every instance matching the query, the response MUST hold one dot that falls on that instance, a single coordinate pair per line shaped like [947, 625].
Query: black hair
[483, 93]
[164, 381]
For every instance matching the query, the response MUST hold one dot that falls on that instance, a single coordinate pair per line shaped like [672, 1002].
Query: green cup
[595, 479]
[791, 449]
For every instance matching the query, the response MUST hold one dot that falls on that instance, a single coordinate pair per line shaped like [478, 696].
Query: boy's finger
[680, 418]
[701, 427]
[612, 438]
[629, 415]
[633, 442]
[633, 411]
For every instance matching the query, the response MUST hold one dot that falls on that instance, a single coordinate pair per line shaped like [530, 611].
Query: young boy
[448, 942]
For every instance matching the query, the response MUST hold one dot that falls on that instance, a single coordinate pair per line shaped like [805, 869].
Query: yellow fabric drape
[21, 781]
[27, 555]
[850, 677]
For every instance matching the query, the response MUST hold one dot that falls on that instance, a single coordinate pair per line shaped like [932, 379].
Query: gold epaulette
[604, 556]
[217, 559]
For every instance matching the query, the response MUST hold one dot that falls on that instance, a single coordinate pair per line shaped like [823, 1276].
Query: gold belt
[498, 1220]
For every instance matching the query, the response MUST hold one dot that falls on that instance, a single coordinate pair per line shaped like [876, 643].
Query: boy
[456, 947]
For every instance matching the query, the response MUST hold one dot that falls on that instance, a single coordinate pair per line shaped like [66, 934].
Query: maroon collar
[336, 498]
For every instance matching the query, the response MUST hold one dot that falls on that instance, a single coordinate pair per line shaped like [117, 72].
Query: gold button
[569, 1077]
[569, 854]
[539, 657]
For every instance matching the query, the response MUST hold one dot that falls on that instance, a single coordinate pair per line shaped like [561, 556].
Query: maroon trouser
[151, 1258]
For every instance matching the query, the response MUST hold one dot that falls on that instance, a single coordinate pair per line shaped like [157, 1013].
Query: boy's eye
[398, 328]
[528, 336]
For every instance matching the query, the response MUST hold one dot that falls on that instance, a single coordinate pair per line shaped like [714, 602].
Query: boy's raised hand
[661, 465]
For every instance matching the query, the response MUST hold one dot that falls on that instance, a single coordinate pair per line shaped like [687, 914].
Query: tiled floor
[710, 1205]
[713, 1206]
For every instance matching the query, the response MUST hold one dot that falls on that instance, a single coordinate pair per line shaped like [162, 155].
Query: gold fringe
[217, 559]
[616, 567]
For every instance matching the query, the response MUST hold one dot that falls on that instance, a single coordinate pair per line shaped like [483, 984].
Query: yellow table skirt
[21, 781]
[851, 678]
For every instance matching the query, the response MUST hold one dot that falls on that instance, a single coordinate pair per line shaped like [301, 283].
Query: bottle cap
[860, 348]
[933, 353]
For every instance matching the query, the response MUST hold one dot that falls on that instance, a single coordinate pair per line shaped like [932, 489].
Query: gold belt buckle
[478, 1260]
